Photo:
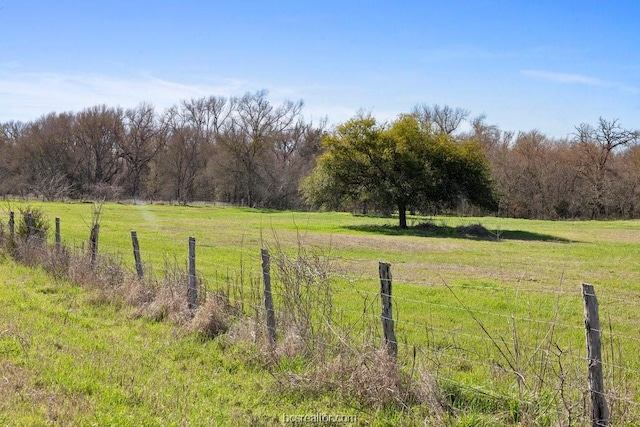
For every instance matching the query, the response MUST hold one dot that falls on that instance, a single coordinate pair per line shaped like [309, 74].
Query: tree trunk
[402, 214]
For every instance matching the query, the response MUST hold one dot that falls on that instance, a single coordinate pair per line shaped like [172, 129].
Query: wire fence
[500, 341]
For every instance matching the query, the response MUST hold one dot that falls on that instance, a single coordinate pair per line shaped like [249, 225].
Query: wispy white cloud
[27, 95]
[576, 79]
[564, 77]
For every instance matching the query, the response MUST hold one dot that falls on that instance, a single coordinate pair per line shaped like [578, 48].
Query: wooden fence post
[268, 297]
[12, 224]
[58, 240]
[599, 409]
[136, 255]
[192, 291]
[29, 225]
[93, 243]
[387, 317]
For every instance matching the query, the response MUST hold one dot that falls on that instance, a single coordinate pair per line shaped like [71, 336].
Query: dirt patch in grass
[13, 379]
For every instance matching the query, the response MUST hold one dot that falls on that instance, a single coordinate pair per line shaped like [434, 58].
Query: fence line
[204, 243]
[373, 316]
[256, 273]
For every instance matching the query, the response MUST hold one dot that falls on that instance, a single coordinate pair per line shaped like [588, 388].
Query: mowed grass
[520, 286]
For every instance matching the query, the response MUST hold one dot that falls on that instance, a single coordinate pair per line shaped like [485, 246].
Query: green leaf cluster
[402, 165]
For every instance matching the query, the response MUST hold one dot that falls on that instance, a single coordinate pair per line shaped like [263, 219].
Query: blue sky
[546, 65]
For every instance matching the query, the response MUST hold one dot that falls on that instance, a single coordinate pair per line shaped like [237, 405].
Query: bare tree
[45, 156]
[249, 137]
[97, 132]
[207, 115]
[438, 118]
[487, 135]
[193, 130]
[142, 140]
[183, 154]
[627, 192]
[295, 151]
[597, 145]
[11, 131]
[10, 134]
[497, 146]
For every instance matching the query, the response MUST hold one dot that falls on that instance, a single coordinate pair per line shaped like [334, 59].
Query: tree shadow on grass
[471, 231]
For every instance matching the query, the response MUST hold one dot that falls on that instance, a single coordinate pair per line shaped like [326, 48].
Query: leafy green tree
[405, 165]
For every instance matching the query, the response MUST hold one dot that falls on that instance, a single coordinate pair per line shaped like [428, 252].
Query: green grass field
[67, 361]
[522, 287]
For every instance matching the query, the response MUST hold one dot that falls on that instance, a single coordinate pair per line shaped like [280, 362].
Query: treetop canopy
[402, 165]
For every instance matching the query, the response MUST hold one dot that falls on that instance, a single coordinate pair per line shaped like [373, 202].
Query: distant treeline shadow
[471, 231]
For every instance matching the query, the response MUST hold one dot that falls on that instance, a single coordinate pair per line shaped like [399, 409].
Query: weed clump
[371, 378]
[215, 316]
[307, 307]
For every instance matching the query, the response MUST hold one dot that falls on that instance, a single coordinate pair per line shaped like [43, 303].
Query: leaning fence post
[599, 409]
[387, 318]
[192, 291]
[12, 224]
[268, 297]
[58, 240]
[136, 254]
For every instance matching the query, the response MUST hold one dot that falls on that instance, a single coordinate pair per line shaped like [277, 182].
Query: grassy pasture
[521, 286]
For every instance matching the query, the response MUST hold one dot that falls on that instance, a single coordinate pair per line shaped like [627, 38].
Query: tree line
[248, 151]
[243, 151]
[592, 174]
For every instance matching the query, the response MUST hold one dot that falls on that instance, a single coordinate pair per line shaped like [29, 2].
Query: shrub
[39, 223]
